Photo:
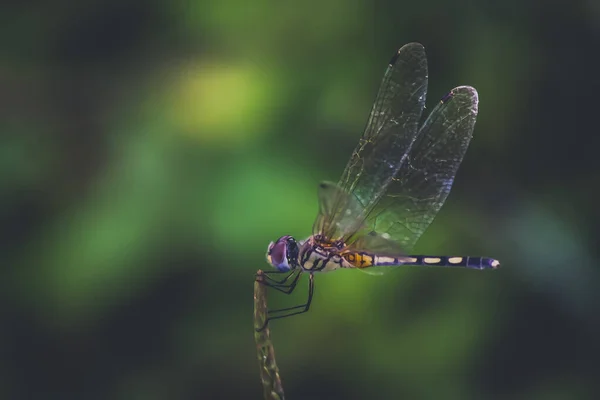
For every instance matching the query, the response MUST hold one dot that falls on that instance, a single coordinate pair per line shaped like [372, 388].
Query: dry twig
[269, 373]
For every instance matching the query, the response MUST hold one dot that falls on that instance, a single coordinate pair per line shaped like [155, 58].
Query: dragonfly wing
[388, 136]
[381, 244]
[377, 271]
[339, 211]
[425, 178]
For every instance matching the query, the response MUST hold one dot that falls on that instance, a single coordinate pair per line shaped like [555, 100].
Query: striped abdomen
[366, 260]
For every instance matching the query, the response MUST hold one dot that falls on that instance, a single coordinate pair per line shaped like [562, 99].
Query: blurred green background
[149, 151]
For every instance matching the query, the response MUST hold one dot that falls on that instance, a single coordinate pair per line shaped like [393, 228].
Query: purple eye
[278, 253]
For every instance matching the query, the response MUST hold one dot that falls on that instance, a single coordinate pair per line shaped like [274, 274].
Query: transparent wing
[339, 211]
[349, 217]
[425, 177]
[388, 136]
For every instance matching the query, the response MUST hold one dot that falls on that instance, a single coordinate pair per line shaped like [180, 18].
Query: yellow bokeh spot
[220, 102]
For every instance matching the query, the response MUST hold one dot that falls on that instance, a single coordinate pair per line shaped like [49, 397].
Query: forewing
[388, 136]
[425, 178]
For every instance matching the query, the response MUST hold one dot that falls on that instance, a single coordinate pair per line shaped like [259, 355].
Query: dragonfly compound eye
[277, 254]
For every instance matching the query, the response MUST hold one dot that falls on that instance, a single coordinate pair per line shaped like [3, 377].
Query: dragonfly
[396, 181]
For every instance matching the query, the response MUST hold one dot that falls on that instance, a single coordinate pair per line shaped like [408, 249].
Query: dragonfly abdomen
[441, 261]
[360, 259]
[366, 260]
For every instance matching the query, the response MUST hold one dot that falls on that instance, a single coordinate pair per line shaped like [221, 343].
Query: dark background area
[149, 151]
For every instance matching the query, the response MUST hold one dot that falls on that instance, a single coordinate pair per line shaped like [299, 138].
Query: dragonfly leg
[304, 307]
[283, 288]
[267, 274]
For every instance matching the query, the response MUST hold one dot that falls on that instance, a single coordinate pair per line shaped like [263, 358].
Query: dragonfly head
[283, 254]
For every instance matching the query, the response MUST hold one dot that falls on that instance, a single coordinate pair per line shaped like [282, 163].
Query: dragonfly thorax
[283, 254]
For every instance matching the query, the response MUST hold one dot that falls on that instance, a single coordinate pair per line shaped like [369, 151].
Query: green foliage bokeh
[149, 152]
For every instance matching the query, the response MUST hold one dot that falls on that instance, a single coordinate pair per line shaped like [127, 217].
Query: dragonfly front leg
[303, 307]
[267, 274]
[280, 285]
